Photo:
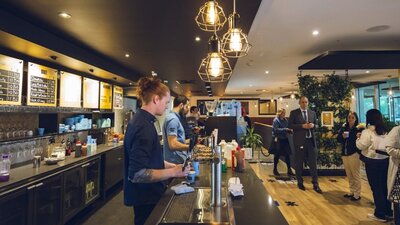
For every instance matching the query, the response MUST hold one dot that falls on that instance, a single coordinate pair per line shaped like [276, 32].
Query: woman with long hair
[347, 136]
[279, 133]
[372, 146]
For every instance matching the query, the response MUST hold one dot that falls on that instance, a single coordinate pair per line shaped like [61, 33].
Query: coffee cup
[191, 177]
[346, 134]
[196, 167]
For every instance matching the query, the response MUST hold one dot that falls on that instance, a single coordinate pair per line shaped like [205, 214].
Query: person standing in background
[175, 147]
[373, 153]
[393, 149]
[303, 121]
[144, 165]
[279, 133]
[194, 112]
[347, 136]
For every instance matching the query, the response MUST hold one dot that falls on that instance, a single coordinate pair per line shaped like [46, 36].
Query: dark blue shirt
[142, 150]
[279, 128]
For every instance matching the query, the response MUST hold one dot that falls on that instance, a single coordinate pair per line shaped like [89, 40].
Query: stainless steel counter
[256, 207]
[25, 174]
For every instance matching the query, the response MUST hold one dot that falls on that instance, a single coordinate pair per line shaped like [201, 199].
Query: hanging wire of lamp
[234, 42]
[211, 17]
[215, 67]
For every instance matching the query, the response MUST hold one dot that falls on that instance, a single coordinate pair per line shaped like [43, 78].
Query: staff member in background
[194, 112]
[372, 145]
[393, 149]
[144, 167]
[351, 159]
[175, 147]
[303, 121]
[279, 131]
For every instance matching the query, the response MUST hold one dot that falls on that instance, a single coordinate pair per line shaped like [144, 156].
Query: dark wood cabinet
[113, 169]
[14, 208]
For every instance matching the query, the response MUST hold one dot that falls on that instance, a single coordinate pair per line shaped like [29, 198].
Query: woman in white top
[393, 149]
[373, 154]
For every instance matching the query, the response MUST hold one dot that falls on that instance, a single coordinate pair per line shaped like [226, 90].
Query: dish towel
[235, 187]
[181, 189]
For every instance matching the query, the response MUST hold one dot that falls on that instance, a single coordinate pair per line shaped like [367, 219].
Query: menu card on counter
[42, 85]
[90, 93]
[118, 97]
[105, 96]
[70, 90]
[10, 80]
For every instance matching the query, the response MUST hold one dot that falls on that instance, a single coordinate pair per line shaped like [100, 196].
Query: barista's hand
[177, 170]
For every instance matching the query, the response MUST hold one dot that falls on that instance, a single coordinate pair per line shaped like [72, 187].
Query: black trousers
[142, 212]
[377, 173]
[310, 152]
[396, 207]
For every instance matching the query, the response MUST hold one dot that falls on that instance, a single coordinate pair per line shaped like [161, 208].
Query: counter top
[27, 174]
[256, 207]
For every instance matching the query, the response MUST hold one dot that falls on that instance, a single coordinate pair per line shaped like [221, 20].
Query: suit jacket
[296, 120]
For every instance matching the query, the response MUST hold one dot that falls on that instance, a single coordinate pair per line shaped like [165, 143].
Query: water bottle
[5, 165]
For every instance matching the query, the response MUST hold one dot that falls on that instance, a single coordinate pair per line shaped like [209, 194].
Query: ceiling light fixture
[280, 99]
[315, 33]
[266, 72]
[64, 15]
[127, 55]
[197, 39]
[292, 96]
[234, 42]
[215, 67]
[367, 71]
[211, 16]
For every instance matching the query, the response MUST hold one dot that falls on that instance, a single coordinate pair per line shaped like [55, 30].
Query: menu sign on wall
[90, 93]
[42, 85]
[10, 80]
[70, 90]
[105, 96]
[118, 97]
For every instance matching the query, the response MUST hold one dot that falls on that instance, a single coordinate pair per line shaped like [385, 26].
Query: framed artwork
[327, 118]
[267, 107]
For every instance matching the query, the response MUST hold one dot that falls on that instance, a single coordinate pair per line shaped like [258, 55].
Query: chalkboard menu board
[118, 97]
[105, 96]
[42, 85]
[10, 80]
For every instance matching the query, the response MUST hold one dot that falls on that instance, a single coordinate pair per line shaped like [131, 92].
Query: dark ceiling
[159, 35]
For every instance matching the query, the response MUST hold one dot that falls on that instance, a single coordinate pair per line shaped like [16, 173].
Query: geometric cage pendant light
[234, 42]
[211, 17]
[215, 67]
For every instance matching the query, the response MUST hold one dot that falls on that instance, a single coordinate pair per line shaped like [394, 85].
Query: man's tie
[308, 135]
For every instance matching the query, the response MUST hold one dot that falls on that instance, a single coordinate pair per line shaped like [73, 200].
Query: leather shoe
[317, 189]
[276, 173]
[301, 186]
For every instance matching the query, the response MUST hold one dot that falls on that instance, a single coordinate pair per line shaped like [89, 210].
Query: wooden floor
[311, 208]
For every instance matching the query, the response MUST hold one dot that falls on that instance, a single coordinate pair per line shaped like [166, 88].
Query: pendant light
[234, 42]
[211, 16]
[215, 67]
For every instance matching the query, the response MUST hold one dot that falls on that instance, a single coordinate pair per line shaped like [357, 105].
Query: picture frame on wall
[327, 118]
[267, 107]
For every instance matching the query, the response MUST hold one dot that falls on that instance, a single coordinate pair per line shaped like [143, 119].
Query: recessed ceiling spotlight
[367, 71]
[165, 81]
[266, 72]
[280, 99]
[208, 86]
[250, 85]
[315, 33]
[130, 83]
[197, 38]
[64, 15]
[264, 90]
[127, 55]
[153, 73]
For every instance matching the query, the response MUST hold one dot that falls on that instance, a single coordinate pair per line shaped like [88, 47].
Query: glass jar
[5, 165]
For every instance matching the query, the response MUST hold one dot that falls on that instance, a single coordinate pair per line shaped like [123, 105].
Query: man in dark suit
[303, 121]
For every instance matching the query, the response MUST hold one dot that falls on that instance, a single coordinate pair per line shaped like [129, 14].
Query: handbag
[274, 147]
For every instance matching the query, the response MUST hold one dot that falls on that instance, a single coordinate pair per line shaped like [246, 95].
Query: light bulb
[280, 99]
[390, 92]
[235, 42]
[292, 96]
[211, 15]
[215, 67]
[353, 96]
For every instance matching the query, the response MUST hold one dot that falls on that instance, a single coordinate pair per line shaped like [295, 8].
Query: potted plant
[253, 140]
